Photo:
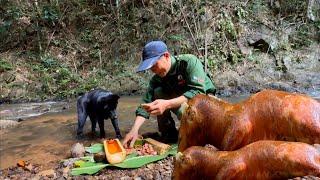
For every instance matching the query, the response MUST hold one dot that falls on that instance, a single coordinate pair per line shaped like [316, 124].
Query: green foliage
[212, 63]
[4, 27]
[317, 29]
[242, 14]
[95, 53]
[7, 23]
[86, 36]
[253, 57]
[63, 73]
[56, 78]
[50, 14]
[235, 56]
[47, 82]
[258, 7]
[176, 37]
[49, 62]
[85, 32]
[90, 83]
[293, 8]
[317, 24]
[5, 66]
[227, 27]
[302, 37]
[14, 12]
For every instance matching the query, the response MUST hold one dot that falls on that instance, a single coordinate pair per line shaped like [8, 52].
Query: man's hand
[131, 137]
[156, 107]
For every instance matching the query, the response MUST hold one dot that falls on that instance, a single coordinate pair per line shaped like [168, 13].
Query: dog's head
[109, 102]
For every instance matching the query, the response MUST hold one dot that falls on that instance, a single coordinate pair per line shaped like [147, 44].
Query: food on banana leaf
[114, 150]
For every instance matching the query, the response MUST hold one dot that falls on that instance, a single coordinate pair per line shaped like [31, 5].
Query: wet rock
[100, 157]
[243, 48]
[264, 40]
[138, 178]
[167, 167]
[29, 167]
[20, 119]
[4, 124]
[6, 113]
[125, 178]
[69, 162]
[150, 166]
[65, 172]
[281, 86]
[156, 175]
[7, 77]
[48, 173]
[77, 150]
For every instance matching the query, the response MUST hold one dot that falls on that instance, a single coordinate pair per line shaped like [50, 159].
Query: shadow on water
[48, 138]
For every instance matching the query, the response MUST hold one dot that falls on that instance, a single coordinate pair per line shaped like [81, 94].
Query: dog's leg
[114, 120]
[101, 127]
[82, 115]
[93, 124]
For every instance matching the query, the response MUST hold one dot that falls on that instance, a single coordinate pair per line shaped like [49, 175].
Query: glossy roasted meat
[267, 115]
[259, 160]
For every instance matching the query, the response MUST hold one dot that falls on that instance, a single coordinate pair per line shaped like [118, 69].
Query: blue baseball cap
[151, 53]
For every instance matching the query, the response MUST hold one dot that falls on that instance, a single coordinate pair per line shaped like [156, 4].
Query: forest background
[58, 49]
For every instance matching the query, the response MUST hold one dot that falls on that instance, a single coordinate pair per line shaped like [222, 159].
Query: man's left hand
[156, 107]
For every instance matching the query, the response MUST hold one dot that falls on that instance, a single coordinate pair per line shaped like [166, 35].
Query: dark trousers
[166, 124]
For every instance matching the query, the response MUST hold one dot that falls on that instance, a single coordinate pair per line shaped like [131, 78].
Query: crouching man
[176, 79]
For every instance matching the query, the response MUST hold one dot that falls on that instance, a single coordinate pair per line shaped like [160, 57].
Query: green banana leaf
[173, 150]
[136, 162]
[95, 148]
[88, 170]
[132, 155]
[87, 158]
[131, 161]
[82, 163]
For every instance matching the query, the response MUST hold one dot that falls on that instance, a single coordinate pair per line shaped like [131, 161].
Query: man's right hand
[130, 138]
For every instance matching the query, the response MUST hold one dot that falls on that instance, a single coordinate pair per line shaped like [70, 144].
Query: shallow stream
[47, 130]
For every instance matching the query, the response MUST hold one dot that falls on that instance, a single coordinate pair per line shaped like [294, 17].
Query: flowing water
[47, 131]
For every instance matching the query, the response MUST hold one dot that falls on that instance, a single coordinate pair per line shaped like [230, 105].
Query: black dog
[98, 105]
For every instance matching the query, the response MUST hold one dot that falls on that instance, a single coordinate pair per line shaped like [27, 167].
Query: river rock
[29, 167]
[77, 150]
[65, 172]
[4, 124]
[69, 162]
[100, 157]
[264, 39]
[48, 173]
